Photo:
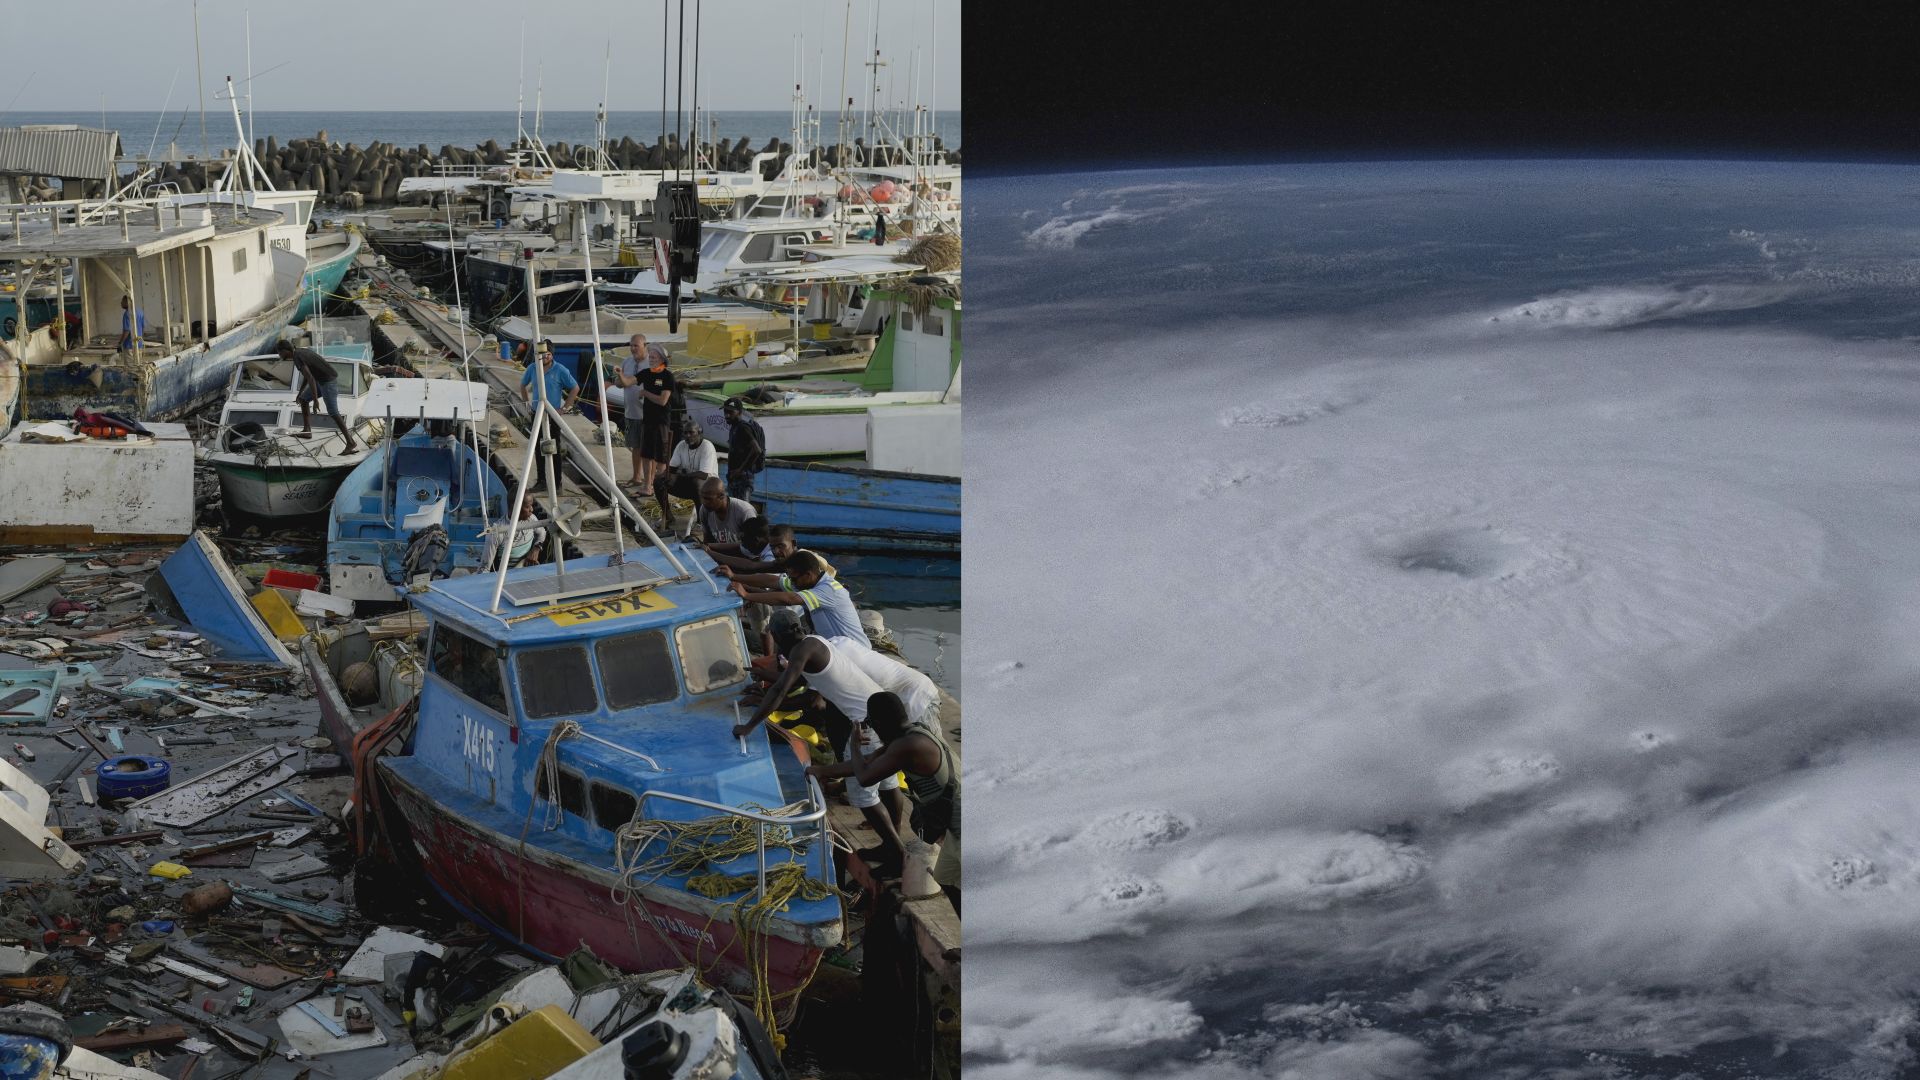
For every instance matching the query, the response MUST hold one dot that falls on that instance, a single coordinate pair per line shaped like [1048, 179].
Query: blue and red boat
[562, 730]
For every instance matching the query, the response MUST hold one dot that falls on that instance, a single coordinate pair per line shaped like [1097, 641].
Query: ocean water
[141, 130]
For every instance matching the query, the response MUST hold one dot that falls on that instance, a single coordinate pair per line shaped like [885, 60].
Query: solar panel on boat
[600, 579]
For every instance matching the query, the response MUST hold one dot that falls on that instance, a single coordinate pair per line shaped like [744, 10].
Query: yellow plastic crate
[280, 618]
[538, 1044]
[718, 341]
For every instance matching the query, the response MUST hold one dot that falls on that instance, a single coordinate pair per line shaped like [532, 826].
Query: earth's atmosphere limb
[1447, 619]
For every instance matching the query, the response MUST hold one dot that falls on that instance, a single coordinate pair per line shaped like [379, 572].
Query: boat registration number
[611, 609]
[478, 744]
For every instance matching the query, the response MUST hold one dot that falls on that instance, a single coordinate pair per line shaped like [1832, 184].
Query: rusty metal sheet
[60, 150]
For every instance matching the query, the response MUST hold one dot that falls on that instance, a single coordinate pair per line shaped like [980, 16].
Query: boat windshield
[555, 681]
[717, 245]
[636, 669]
[470, 666]
[710, 653]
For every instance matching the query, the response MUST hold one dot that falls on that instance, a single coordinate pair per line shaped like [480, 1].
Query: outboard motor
[676, 240]
[425, 552]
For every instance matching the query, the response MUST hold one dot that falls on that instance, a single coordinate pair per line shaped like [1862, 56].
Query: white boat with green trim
[916, 363]
[265, 468]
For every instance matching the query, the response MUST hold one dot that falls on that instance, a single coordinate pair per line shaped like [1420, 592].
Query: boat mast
[200, 77]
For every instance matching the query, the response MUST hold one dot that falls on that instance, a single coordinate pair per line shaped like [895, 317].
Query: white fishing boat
[915, 367]
[206, 280]
[266, 469]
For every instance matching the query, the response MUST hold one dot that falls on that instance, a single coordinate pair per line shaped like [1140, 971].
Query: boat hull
[483, 875]
[852, 509]
[158, 387]
[323, 278]
[278, 491]
[813, 434]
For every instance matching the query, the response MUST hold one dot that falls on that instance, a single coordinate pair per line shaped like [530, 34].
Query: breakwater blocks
[96, 490]
[372, 174]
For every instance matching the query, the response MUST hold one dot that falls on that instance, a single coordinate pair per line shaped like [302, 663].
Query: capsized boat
[570, 746]
[422, 503]
[852, 508]
[265, 468]
[197, 584]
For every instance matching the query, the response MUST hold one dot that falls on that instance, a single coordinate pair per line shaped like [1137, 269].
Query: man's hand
[740, 590]
[723, 571]
[740, 731]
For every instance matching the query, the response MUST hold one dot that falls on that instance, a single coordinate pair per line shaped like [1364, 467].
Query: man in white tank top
[831, 671]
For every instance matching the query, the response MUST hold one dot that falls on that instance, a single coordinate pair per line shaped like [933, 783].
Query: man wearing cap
[560, 382]
[746, 449]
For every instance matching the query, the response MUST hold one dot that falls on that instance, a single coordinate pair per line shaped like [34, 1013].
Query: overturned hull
[846, 508]
[549, 905]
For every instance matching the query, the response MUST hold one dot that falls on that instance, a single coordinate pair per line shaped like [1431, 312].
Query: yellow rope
[692, 846]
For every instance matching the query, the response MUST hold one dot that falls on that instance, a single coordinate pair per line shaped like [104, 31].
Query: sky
[367, 55]
[1388, 79]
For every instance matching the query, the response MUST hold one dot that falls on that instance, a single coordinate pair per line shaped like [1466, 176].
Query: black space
[1052, 86]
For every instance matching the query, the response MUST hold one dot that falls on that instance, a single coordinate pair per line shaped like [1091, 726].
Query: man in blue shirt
[133, 323]
[806, 584]
[560, 382]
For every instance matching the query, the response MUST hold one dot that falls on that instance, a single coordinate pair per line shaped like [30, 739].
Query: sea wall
[360, 175]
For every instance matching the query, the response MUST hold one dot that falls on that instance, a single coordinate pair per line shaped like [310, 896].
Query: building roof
[66, 151]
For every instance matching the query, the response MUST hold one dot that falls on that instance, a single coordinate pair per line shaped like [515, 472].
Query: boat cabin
[264, 390]
[649, 675]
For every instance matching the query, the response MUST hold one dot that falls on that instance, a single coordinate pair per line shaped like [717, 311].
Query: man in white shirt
[695, 460]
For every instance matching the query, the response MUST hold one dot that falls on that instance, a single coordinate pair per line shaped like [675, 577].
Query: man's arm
[758, 581]
[796, 662]
[736, 562]
[892, 758]
[775, 598]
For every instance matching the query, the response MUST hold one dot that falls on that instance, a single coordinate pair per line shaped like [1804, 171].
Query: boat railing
[815, 814]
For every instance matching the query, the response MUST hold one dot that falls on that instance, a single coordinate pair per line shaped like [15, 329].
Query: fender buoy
[133, 776]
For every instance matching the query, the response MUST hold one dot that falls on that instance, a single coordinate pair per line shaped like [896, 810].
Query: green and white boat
[915, 367]
[266, 470]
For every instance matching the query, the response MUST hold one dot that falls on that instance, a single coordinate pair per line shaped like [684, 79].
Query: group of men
[888, 713]
[799, 616]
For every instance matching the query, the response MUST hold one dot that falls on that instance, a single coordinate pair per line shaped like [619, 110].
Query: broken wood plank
[156, 1035]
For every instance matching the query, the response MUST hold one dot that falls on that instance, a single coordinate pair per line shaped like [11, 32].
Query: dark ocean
[140, 130]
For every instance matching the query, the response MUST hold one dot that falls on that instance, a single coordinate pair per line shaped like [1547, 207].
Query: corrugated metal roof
[60, 150]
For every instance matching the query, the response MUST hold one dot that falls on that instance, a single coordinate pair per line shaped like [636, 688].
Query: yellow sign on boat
[618, 607]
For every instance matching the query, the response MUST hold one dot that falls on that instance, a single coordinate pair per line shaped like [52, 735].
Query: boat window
[263, 242]
[759, 249]
[906, 318]
[555, 681]
[612, 807]
[239, 259]
[263, 417]
[714, 248]
[636, 669]
[573, 791]
[710, 653]
[932, 324]
[470, 666]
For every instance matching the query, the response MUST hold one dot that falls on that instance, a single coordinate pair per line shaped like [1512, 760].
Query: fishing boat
[266, 469]
[915, 364]
[563, 731]
[329, 256]
[421, 504]
[853, 508]
[209, 285]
